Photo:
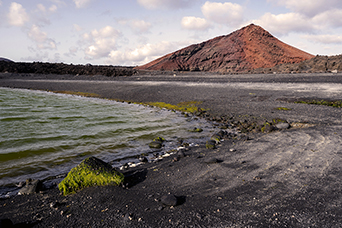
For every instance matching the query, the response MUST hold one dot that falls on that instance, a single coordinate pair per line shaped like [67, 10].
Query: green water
[44, 134]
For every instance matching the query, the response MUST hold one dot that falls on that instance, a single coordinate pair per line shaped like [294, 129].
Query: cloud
[138, 26]
[81, 3]
[282, 24]
[77, 28]
[308, 7]
[144, 53]
[195, 23]
[0, 3]
[99, 43]
[332, 18]
[53, 8]
[17, 15]
[223, 13]
[40, 38]
[58, 2]
[165, 4]
[324, 39]
[72, 52]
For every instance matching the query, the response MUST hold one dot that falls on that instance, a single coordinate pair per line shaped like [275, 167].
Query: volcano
[246, 49]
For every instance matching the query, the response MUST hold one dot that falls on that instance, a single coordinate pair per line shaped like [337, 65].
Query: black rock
[212, 161]
[32, 186]
[181, 154]
[169, 200]
[211, 144]
[143, 159]
[155, 145]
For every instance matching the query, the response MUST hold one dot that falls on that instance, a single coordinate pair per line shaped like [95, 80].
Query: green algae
[187, 106]
[331, 103]
[196, 129]
[90, 172]
[283, 109]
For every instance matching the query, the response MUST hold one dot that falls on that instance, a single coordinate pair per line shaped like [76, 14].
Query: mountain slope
[246, 49]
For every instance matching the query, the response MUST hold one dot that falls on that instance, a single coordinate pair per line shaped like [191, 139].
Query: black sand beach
[285, 178]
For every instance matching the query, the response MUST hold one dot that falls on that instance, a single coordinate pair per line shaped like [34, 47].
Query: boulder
[90, 172]
[32, 186]
[169, 200]
[211, 144]
[155, 145]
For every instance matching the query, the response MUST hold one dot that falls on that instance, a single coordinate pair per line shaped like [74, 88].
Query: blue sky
[134, 32]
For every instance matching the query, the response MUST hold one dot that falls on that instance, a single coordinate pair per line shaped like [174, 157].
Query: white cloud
[195, 23]
[72, 52]
[41, 8]
[282, 24]
[40, 38]
[77, 27]
[81, 3]
[99, 43]
[0, 3]
[53, 8]
[138, 26]
[223, 13]
[17, 15]
[331, 18]
[324, 39]
[309, 7]
[144, 53]
[165, 4]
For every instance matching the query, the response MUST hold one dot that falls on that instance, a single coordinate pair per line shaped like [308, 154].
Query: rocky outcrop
[90, 172]
[318, 64]
[246, 49]
[61, 68]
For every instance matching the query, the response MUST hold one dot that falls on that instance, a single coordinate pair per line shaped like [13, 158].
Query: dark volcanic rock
[169, 200]
[32, 186]
[61, 68]
[246, 49]
[318, 64]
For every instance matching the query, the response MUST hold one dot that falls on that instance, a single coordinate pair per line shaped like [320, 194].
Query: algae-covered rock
[211, 144]
[155, 145]
[90, 172]
[159, 139]
[196, 129]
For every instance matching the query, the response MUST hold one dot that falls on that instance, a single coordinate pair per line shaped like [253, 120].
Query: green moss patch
[282, 109]
[188, 106]
[332, 103]
[90, 172]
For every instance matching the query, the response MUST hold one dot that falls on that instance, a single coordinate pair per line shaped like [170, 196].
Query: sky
[134, 32]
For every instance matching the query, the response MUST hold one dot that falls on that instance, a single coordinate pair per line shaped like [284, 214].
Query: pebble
[143, 159]
[282, 126]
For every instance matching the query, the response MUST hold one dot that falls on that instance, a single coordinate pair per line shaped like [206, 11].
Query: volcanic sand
[284, 178]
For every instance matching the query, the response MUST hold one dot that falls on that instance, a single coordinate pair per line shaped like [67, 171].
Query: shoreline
[283, 178]
[131, 160]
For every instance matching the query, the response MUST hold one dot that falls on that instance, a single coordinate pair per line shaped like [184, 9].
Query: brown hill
[246, 49]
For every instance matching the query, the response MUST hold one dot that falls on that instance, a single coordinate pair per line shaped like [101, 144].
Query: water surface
[46, 134]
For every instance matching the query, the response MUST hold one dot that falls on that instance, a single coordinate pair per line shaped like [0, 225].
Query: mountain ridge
[246, 49]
